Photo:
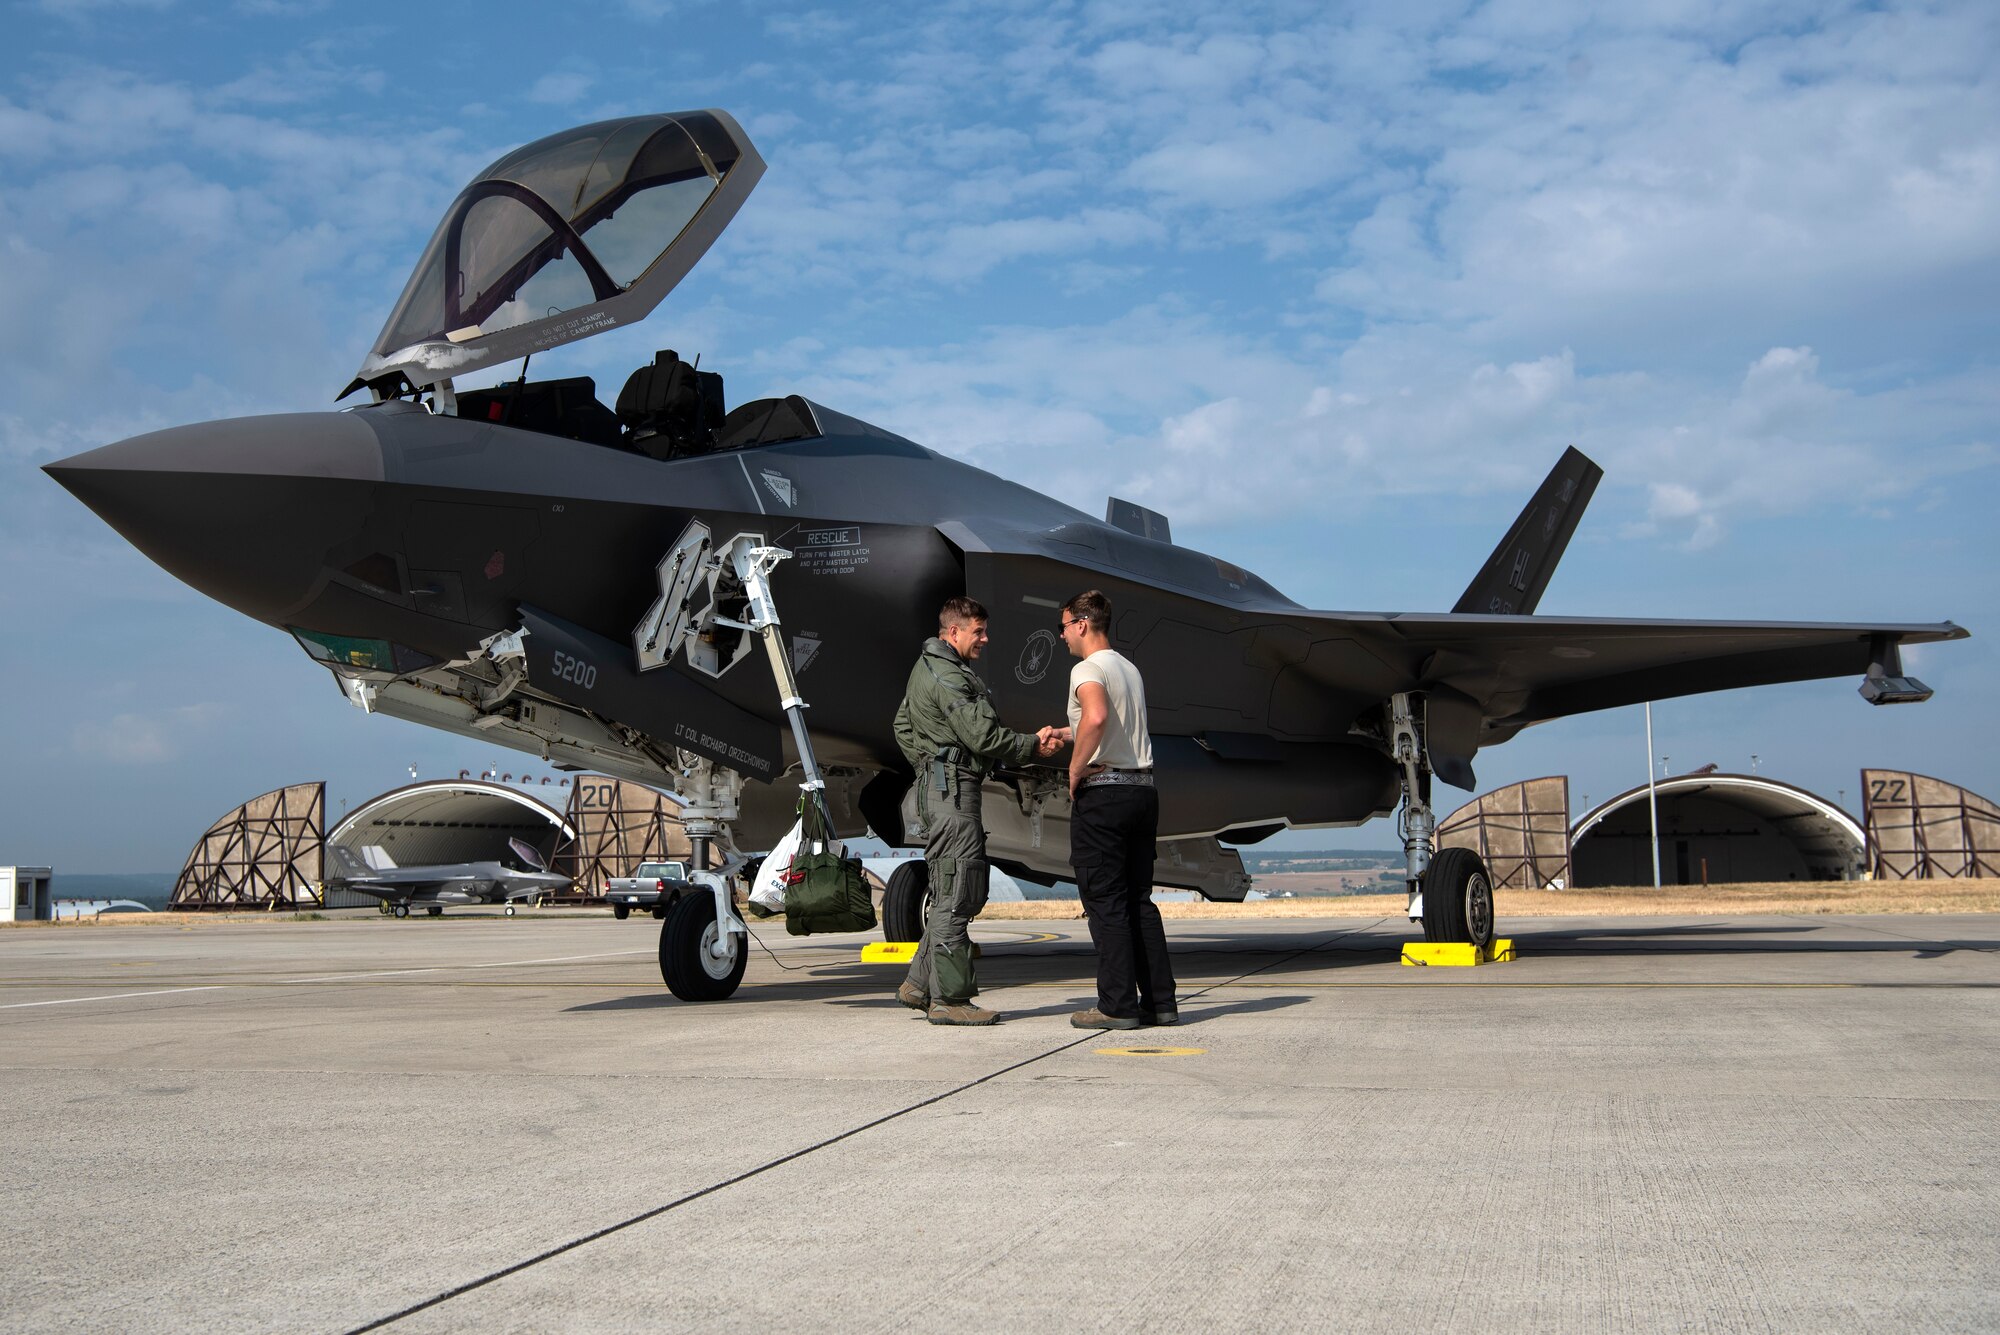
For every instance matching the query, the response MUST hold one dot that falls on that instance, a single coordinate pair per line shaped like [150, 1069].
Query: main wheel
[621, 911]
[401, 910]
[1458, 899]
[692, 973]
[903, 902]
[436, 912]
[508, 910]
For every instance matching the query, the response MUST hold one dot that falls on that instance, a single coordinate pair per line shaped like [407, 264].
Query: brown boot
[911, 997]
[960, 1012]
[1097, 1019]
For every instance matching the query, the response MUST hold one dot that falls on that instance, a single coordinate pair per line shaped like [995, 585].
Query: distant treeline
[1319, 859]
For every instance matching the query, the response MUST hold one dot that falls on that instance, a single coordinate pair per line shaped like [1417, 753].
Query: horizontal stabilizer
[1514, 577]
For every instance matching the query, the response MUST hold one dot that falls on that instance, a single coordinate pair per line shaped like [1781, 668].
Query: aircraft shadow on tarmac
[1730, 939]
[1004, 964]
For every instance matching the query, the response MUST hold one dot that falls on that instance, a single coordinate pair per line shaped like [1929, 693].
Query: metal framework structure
[264, 854]
[1920, 828]
[1521, 833]
[618, 825]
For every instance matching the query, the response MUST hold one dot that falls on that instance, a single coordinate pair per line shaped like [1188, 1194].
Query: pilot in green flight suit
[948, 729]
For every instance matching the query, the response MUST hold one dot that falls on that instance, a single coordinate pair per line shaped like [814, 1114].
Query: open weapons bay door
[567, 237]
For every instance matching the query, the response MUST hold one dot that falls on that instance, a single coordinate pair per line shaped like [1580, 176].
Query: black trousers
[1112, 830]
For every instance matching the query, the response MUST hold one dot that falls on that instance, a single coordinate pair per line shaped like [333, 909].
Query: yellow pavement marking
[888, 952]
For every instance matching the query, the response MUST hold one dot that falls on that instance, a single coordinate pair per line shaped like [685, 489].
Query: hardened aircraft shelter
[1521, 833]
[1722, 828]
[1920, 828]
[270, 852]
[1714, 829]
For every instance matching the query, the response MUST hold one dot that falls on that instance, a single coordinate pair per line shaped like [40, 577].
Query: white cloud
[561, 87]
[143, 739]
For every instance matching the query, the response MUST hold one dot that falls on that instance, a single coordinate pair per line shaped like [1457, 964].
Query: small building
[26, 894]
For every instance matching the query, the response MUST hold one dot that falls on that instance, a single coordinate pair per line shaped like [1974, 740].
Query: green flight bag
[825, 892]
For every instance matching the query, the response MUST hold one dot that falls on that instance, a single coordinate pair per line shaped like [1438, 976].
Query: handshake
[1048, 741]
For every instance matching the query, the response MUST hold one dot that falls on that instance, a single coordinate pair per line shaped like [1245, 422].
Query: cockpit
[584, 231]
[670, 409]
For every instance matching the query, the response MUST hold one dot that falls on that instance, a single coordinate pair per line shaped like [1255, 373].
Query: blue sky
[1330, 285]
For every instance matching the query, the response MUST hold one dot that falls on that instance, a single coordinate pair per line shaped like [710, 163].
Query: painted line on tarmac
[440, 968]
[113, 996]
[711, 1189]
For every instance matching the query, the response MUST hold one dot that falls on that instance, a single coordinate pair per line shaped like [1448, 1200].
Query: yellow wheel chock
[1458, 953]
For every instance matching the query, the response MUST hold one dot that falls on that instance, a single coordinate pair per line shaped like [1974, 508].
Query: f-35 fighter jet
[431, 887]
[529, 566]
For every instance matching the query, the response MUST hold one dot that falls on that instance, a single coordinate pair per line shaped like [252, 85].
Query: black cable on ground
[709, 1190]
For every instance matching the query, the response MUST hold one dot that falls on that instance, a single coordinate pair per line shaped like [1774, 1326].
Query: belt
[1141, 777]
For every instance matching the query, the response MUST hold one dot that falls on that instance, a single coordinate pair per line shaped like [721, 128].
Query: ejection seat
[671, 410]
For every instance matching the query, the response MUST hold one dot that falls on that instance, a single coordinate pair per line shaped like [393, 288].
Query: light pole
[1652, 798]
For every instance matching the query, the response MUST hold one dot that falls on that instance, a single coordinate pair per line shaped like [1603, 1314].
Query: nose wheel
[699, 958]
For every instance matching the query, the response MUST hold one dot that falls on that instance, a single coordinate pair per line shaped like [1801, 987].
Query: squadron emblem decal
[1036, 655]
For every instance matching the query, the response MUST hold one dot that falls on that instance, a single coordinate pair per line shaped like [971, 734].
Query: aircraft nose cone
[243, 510]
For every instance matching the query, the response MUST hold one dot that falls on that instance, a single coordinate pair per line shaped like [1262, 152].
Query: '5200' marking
[573, 670]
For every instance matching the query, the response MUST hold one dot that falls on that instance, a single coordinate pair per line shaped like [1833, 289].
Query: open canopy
[574, 234]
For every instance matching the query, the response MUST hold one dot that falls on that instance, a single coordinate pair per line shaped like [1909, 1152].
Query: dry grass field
[1970, 896]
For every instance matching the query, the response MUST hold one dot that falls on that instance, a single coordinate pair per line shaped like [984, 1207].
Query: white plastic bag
[768, 892]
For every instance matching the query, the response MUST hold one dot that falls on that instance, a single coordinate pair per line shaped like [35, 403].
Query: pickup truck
[655, 887]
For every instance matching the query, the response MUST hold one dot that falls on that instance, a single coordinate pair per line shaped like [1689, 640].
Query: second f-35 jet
[506, 882]
[527, 565]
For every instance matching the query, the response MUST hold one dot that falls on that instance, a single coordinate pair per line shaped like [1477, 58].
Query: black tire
[1458, 899]
[436, 912]
[621, 911]
[401, 911]
[903, 902]
[508, 909]
[684, 960]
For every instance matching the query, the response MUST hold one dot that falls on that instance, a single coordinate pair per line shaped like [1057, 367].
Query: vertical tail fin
[347, 865]
[1514, 577]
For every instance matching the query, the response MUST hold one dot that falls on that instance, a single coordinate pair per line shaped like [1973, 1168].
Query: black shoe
[1163, 1015]
[1097, 1019]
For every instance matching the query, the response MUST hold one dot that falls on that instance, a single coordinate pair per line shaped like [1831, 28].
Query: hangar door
[1920, 828]
[1521, 833]
[264, 853]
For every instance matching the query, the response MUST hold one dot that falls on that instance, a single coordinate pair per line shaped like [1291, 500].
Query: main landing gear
[903, 902]
[1450, 892]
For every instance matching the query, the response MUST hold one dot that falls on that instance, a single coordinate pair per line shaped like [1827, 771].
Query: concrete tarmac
[476, 1122]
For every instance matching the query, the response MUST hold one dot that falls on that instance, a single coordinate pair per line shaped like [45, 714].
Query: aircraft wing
[1227, 657]
[1524, 670]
